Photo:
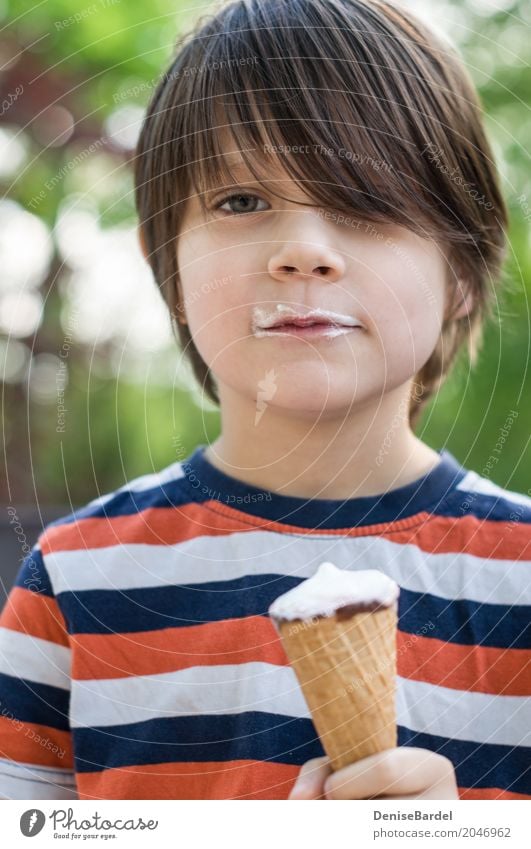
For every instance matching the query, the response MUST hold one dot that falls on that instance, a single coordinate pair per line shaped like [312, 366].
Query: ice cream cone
[345, 662]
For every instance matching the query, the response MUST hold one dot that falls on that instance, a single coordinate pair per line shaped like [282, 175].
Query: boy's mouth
[285, 320]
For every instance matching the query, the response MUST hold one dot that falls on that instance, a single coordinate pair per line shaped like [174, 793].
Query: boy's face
[236, 266]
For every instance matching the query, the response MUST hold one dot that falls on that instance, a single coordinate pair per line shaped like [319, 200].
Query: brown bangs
[318, 117]
[333, 172]
[351, 101]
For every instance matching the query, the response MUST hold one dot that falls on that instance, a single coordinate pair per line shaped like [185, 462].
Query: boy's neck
[371, 451]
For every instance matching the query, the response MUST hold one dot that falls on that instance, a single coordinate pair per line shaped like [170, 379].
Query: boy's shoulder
[478, 494]
[103, 520]
[486, 520]
[143, 511]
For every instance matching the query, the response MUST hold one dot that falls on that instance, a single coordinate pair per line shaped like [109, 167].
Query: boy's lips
[286, 321]
[310, 331]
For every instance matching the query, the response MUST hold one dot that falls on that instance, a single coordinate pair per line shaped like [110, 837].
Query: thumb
[311, 779]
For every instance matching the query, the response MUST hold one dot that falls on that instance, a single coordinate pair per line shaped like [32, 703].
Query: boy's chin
[311, 403]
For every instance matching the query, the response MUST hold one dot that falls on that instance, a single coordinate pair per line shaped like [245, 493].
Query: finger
[400, 772]
[311, 779]
[440, 791]
[446, 789]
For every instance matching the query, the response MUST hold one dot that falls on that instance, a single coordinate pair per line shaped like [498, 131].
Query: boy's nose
[305, 260]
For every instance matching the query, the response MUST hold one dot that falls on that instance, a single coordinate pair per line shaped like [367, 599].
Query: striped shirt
[137, 659]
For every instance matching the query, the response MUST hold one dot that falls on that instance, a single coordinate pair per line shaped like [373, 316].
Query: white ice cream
[331, 588]
[263, 319]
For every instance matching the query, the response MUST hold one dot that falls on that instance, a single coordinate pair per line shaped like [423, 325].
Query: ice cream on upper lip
[285, 319]
[331, 589]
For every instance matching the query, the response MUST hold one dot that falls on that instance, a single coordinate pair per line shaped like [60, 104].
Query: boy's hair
[394, 132]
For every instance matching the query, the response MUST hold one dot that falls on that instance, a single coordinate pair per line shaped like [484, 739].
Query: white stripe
[231, 689]
[224, 558]
[33, 659]
[200, 689]
[26, 781]
[463, 715]
[19, 769]
[472, 482]
[142, 484]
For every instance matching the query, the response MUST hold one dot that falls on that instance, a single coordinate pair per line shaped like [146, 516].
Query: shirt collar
[207, 483]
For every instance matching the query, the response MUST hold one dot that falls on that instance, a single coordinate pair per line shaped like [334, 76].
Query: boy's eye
[241, 203]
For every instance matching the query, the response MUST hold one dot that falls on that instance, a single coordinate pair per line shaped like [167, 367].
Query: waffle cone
[346, 668]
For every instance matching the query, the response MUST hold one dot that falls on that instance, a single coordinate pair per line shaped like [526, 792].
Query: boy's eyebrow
[234, 161]
[239, 167]
[236, 164]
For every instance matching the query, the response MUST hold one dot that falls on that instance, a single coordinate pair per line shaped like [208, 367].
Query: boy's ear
[463, 301]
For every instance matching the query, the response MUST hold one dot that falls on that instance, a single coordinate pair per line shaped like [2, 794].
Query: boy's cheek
[222, 337]
[408, 280]
[405, 340]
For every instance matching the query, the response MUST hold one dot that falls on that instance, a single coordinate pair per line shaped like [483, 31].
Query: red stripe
[154, 526]
[470, 535]
[489, 793]
[504, 672]
[254, 639]
[228, 641]
[35, 614]
[28, 743]
[232, 780]
[168, 526]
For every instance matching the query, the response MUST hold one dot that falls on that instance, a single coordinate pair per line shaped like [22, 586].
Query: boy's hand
[401, 773]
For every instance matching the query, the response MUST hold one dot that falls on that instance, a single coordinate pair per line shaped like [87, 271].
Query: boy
[300, 183]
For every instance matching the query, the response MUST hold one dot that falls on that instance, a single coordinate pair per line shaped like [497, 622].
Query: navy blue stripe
[434, 493]
[27, 701]
[253, 735]
[478, 765]
[129, 502]
[466, 622]
[33, 575]
[313, 514]
[205, 481]
[461, 503]
[278, 739]
[152, 608]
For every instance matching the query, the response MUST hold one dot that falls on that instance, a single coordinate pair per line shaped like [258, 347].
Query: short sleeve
[35, 657]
